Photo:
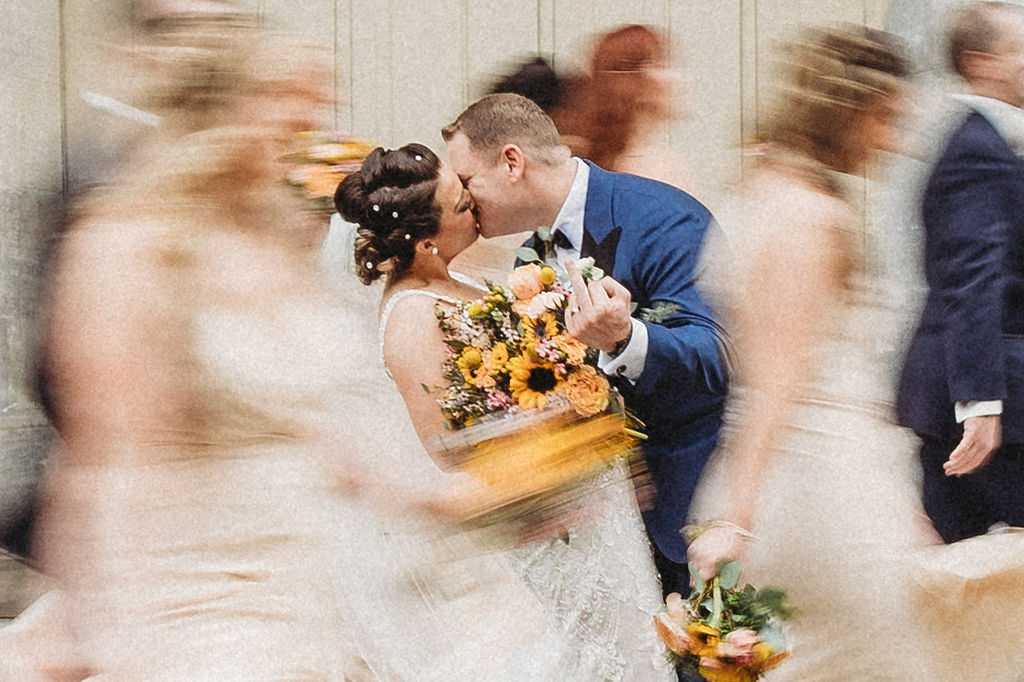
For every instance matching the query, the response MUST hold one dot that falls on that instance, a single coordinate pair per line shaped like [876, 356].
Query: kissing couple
[510, 172]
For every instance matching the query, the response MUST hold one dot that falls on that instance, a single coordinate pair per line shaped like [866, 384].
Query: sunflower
[530, 381]
[535, 329]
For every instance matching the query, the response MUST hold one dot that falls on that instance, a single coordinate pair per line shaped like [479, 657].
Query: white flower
[544, 301]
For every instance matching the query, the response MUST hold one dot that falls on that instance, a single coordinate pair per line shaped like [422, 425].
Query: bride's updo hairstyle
[391, 200]
[833, 76]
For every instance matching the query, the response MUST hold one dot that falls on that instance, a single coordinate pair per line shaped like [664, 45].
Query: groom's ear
[513, 162]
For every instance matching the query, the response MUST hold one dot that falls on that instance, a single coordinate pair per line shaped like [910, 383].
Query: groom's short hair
[506, 118]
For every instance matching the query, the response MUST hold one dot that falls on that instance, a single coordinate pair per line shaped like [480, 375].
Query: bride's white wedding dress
[595, 592]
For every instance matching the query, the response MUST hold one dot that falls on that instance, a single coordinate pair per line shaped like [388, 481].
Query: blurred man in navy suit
[962, 388]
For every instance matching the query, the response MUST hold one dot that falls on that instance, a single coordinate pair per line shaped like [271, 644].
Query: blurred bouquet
[723, 633]
[320, 161]
[528, 412]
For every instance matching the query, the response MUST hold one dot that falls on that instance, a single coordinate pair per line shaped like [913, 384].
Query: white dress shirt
[630, 362]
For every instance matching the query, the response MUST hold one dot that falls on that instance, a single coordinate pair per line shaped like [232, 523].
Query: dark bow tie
[561, 240]
[543, 248]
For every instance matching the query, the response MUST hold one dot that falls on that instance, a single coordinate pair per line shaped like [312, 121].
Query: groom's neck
[550, 185]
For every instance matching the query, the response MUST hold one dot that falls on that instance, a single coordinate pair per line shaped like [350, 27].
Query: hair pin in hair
[376, 208]
[369, 265]
[418, 157]
[394, 214]
[408, 236]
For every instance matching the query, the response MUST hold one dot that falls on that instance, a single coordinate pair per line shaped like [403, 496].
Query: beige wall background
[403, 68]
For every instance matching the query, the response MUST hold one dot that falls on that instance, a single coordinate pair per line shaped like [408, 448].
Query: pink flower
[739, 644]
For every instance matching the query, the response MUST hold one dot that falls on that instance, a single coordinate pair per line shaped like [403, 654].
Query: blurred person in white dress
[814, 487]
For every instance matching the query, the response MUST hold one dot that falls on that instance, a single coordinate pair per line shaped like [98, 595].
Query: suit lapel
[603, 253]
[600, 234]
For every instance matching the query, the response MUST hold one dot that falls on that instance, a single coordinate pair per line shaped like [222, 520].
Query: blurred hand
[982, 437]
[599, 312]
[715, 545]
[463, 496]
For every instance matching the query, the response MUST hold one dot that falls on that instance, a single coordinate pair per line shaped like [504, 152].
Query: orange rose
[574, 349]
[587, 391]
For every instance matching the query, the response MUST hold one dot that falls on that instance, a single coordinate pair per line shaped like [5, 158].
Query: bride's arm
[796, 281]
[414, 351]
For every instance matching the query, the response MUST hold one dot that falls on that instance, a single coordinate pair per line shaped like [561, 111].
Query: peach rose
[674, 636]
[525, 281]
[587, 391]
[678, 609]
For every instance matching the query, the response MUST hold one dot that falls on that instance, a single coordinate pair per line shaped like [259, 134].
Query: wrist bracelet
[694, 531]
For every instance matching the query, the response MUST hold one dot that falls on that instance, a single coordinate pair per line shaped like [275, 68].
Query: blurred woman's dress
[189, 539]
[839, 521]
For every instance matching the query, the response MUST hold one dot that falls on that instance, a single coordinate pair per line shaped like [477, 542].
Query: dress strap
[467, 280]
[385, 314]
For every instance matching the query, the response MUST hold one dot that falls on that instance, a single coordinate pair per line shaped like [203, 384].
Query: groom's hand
[982, 437]
[598, 313]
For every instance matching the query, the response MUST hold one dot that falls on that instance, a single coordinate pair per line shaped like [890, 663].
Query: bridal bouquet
[510, 349]
[528, 412]
[724, 633]
[320, 161]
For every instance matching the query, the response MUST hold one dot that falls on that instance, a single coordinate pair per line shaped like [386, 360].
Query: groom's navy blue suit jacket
[970, 341]
[648, 235]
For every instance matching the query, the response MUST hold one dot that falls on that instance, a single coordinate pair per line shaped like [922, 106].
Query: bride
[597, 585]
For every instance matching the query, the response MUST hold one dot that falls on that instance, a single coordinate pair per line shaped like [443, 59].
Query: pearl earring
[434, 251]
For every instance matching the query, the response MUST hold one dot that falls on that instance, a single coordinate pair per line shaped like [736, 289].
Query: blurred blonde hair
[833, 76]
[216, 82]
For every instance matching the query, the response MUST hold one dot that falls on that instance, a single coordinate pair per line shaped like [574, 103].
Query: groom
[962, 388]
[647, 237]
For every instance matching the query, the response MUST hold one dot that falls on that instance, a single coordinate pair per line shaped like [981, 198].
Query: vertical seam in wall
[334, 68]
[673, 47]
[464, 56]
[351, 70]
[739, 6]
[867, 258]
[536, 16]
[554, 16]
[757, 73]
[391, 72]
[63, 94]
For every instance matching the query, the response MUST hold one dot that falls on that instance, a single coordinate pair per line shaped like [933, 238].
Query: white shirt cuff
[965, 409]
[630, 362]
